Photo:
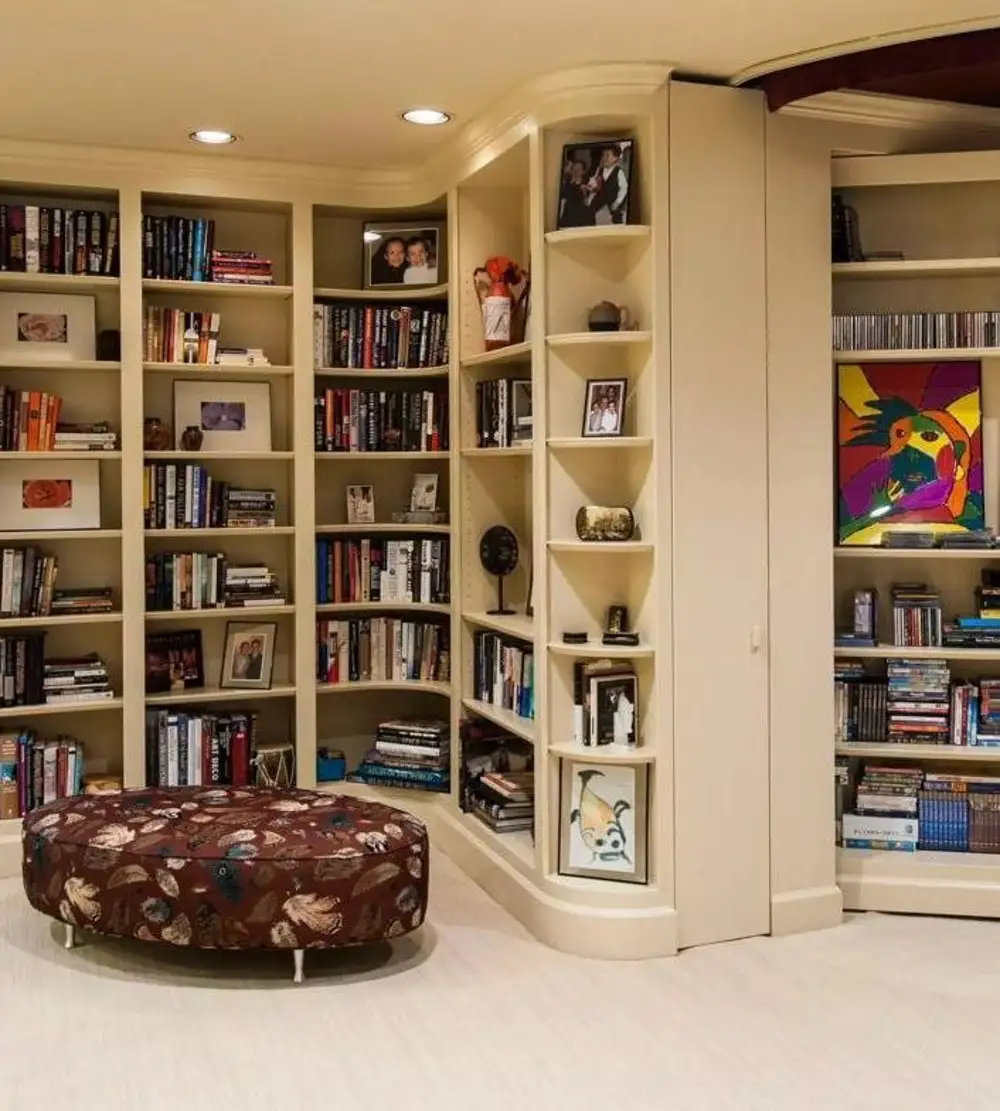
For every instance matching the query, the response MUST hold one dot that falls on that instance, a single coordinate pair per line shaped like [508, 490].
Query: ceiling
[323, 81]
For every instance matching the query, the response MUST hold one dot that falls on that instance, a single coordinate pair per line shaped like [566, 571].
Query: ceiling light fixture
[212, 137]
[426, 117]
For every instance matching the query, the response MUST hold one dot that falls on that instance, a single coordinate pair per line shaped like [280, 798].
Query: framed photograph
[248, 658]
[603, 821]
[401, 254]
[604, 408]
[596, 183]
[522, 421]
[46, 327]
[174, 661]
[232, 416]
[614, 709]
[424, 493]
[361, 505]
[49, 494]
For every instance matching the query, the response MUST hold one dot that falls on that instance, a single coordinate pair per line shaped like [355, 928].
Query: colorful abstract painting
[909, 449]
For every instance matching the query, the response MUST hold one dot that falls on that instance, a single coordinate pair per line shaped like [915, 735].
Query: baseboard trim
[10, 855]
[811, 908]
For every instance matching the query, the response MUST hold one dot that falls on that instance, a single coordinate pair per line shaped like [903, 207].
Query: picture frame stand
[501, 610]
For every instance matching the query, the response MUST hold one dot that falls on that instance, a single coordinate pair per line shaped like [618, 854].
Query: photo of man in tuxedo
[610, 185]
[595, 184]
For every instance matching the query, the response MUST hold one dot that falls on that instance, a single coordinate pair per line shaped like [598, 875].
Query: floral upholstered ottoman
[228, 868]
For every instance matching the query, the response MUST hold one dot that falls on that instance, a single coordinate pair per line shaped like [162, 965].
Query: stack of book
[859, 704]
[28, 419]
[504, 801]
[918, 701]
[205, 580]
[177, 248]
[184, 495]
[77, 679]
[242, 268]
[378, 570]
[380, 336]
[884, 814]
[983, 629]
[381, 649]
[973, 539]
[42, 240]
[504, 673]
[496, 425]
[916, 616]
[381, 420]
[902, 331]
[27, 579]
[188, 748]
[22, 663]
[176, 336]
[35, 771]
[84, 599]
[408, 753]
[247, 587]
[915, 538]
[241, 356]
[88, 436]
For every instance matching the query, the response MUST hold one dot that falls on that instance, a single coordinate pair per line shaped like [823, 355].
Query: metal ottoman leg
[300, 960]
[69, 938]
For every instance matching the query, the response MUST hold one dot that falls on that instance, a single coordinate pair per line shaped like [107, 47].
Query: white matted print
[361, 505]
[44, 495]
[233, 416]
[603, 821]
[46, 327]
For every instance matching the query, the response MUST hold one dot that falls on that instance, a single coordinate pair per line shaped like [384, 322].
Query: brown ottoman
[228, 868]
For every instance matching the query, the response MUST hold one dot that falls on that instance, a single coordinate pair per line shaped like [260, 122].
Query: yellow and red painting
[909, 449]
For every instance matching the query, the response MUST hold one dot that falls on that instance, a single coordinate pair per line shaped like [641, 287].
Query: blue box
[330, 766]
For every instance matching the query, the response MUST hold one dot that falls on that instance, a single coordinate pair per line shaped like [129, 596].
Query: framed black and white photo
[424, 493]
[361, 505]
[49, 495]
[603, 821]
[232, 416]
[46, 328]
[604, 407]
[614, 709]
[402, 255]
[522, 421]
[248, 658]
[595, 187]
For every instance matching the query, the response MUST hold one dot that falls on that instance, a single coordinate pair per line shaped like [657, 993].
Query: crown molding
[899, 112]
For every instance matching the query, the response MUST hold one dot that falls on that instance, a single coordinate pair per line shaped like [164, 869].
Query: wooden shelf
[59, 620]
[43, 535]
[176, 456]
[971, 753]
[58, 283]
[605, 235]
[426, 686]
[519, 451]
[914, 355]
[598, 339]
[7, 712]
[516, 848]
[383, 527]
[603, 754]
[860, 552]
[216, 694]
[625, 547]
[514, 353]
[382, 375]
[100, 455]
[217, 289]
[518, 625]
[383, 607]
[402, 295]
[215, 370]
[381, 456]
[507, 719]
[917, 268]
[228, 613]
[595, 649]
[589, 443]
[892, 652]
[194, 533]
[74, 366]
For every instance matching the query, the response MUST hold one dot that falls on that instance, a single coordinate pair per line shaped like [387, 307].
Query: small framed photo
[596, 183]
[47, 495]
[232, 416]
[603, 821]
[248, 658]
[424, 493]
[604, 410]
[46, 327]
[614, 709]
[361, 505]
[522, 421]
[400, 254]
[174, 661]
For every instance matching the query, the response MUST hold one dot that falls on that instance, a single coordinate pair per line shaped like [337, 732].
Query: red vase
[497, 308]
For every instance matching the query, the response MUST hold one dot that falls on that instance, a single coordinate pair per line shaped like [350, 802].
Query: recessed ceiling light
[212, 137]
[428, 117]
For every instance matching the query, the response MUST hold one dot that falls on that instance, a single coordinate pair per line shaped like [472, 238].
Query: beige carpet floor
[884, 1012]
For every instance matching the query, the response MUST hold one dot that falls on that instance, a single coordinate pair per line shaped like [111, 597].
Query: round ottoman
[228, 868]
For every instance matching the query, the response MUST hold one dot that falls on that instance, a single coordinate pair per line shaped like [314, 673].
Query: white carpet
[884, 1012]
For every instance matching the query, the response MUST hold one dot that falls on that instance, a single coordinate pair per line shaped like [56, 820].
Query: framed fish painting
[603, 823]
[909, 449]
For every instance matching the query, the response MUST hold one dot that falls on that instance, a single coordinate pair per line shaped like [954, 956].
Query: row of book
[207, 580]
[364, 649]
[379, 570]
[347, 420]
[380, 336]
[176, 336]
[503, 412]
[177, 248]
[35, 771]
[497, 777]
[184, 495]
[902, 331]
[605, 702]
[189, 748]
[27, 588]
[408, 753]
[916, 615]
[29, 421]
[44, 240]
[503, 673]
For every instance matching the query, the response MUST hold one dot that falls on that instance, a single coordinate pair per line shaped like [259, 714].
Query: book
[43, 239]
[361, 420]
[376, 569]
[378, 336]
[503, 672]
[191, 748]
[363, 649]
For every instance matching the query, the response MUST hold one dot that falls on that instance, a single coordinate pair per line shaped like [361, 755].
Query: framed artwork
[522, 421]
[46, 494]
[603, 821]
[174, 661]
[248, 658]
[46, 327]
[400, 254]
[604, 407]
[909, 449]
[595, 185]
[424, 493]
[361, 505]
[232, 416]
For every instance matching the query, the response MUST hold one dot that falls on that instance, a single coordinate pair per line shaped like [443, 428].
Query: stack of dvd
[918, 701]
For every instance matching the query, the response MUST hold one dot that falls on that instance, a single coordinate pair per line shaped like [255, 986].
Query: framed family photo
[232, 416]
[603, 821]
[248, 657]
[595, 188]
[49, 495]
[46, 327]
[604, 407]
[403, 254]
[174, 661]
